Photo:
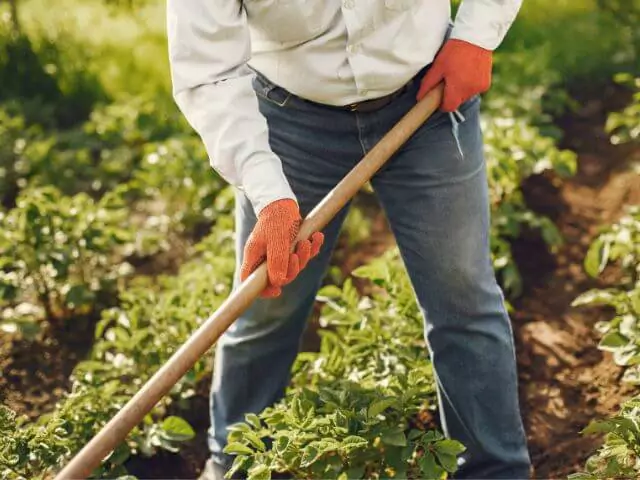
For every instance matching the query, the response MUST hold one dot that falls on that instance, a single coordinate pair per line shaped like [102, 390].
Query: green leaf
[239, 427]
[594, 297]
[255, 441]
[120, 454]
[240, 463]
[450, 447]
[309, 455]
[253, 420]
[594, 262]
[373, 271]
[581, 476]
[177, 429]
[551, 234]
[449, 462]
[395, 437]
[329, 291]
[429, 469]
[431, 436]
[379, 406]
[237, 448]
[352, 442]
[599, 427]
[612, 341]
[282, 443]
[259, 472]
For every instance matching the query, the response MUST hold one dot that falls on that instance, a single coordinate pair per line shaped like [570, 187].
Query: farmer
[287, 96]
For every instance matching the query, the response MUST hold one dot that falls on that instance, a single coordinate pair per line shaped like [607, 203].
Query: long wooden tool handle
[114, 432]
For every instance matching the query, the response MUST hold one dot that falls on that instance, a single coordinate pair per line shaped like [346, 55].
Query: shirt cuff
[264, 182]
[485, 23]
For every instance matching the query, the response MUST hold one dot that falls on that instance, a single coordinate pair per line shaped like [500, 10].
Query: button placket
[354, 47]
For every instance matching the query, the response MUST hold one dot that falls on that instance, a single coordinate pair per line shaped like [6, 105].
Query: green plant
[357, 227]
[343, 431]
[515, 150]
[132, 341]
[48, 77]
[520, 141]
[33, 451]
[619, 243]
[104, 151]
[619, 456]
[175, 180]
[15, 148]
[352, 409]
[60, 253]
[624, 126]
[627, 15]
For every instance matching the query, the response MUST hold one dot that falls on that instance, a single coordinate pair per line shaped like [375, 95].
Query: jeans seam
[265, 87]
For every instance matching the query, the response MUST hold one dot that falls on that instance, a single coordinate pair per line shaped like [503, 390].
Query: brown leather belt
[375, 103]
[368, 105]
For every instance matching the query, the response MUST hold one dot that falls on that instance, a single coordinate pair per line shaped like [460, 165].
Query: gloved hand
[465, 69]
[271, 239]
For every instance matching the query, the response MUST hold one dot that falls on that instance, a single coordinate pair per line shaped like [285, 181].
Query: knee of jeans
[465, 289]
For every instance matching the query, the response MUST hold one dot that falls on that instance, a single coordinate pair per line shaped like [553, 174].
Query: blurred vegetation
[101, 177]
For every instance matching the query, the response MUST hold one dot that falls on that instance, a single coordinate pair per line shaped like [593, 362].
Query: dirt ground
[565, 381]
[35, 374]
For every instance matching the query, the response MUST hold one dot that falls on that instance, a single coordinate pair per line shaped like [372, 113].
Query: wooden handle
[116, 430]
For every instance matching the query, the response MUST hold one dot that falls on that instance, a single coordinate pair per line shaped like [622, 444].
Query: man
[287, 95]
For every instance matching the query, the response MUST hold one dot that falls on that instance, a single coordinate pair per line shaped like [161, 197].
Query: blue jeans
[434, 193]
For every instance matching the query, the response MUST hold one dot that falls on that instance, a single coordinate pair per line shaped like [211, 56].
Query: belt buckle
[353, 107]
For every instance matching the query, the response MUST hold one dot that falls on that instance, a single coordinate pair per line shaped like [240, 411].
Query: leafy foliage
[175, 180]
[95, 157]
[624, 126]
[351, 409]
[56, 252]
[132, 342]
[519, 142]
[619, 455]
[15, 153]
[619, 243]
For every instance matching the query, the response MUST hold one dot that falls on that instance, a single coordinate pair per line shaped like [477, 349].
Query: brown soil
[565, 381]
[35, 373]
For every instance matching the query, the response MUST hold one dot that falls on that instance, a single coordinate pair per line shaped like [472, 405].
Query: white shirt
[331, 51]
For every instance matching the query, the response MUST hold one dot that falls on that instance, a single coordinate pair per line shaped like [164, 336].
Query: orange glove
[465, 69]
[271, 239]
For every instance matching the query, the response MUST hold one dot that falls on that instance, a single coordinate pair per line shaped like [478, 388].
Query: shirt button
[353, 48]
[348, 3]
[364, 91]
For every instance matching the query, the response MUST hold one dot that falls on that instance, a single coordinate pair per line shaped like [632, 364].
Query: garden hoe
[116, 430]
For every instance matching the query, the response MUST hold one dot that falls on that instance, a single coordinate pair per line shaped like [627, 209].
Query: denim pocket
[269, 91]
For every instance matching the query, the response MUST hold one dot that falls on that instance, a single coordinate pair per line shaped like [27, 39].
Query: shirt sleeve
[485, 22]
[209, 47]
